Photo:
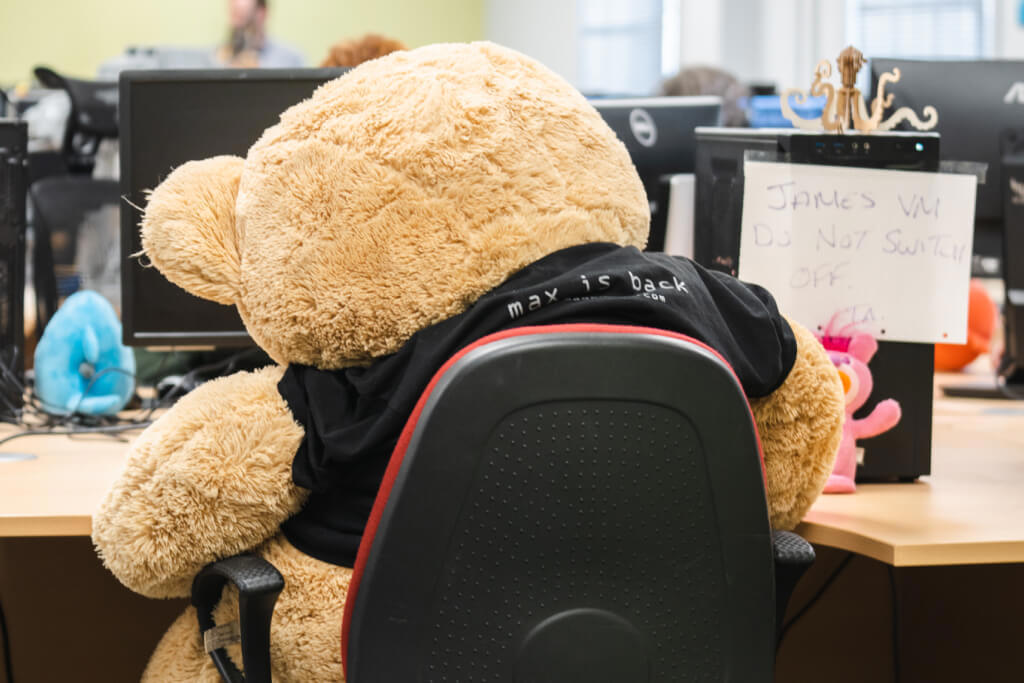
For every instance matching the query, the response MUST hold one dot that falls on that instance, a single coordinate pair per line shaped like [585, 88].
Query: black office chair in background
[567, 503]
[63, 192]
[93, 116]
[60, 206]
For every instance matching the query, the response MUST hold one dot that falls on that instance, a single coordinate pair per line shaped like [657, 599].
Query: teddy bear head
[392, 199]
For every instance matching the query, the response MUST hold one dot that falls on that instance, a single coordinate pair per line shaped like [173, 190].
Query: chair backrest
[60, 205]
[570, 503]
[93, 115]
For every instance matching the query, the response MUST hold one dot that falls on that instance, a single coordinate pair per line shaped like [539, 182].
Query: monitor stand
[990, 389]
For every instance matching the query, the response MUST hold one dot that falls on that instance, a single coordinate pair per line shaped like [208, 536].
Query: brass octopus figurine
[847, 104]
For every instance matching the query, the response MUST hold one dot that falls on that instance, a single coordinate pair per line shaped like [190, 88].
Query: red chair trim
[398, 455]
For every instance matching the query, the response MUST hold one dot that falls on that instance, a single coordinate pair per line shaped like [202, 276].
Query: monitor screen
[166, 119]
[977, 103]
[659, 133]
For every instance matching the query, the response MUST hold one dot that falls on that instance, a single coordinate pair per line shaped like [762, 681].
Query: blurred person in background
[710, 80]
[248, 44]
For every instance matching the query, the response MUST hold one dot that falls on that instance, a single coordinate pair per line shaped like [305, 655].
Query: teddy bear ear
[189, 231]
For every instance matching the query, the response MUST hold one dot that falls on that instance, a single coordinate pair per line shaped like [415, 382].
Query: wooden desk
[56, 493]
[935, 587]
[69, 619]
[970, 510]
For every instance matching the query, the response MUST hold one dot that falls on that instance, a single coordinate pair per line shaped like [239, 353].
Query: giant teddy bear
[371, 223]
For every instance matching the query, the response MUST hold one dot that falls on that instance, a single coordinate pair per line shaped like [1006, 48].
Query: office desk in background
[970, 510]
[935, 586]
[56, 493]
[70, 620]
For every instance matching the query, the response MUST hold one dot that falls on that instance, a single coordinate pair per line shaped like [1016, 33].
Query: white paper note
[867, 250]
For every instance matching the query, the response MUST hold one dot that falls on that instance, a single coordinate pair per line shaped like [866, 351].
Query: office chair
[93, 116]
[566, 503]
[60, 204]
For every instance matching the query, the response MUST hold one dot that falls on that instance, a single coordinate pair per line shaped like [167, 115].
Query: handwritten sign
[867, 250]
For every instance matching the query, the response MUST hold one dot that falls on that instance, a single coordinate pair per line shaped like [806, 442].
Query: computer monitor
[139, 57]
[659, 133]
[166, 119]
[977, 102]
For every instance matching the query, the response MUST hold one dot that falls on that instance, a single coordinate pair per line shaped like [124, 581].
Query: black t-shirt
[353, 417]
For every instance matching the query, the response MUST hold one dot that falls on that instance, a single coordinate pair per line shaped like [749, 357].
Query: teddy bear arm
[800, 426]
[211, 478]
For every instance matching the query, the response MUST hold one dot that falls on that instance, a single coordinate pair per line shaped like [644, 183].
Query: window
[619, 46]
[924, 29]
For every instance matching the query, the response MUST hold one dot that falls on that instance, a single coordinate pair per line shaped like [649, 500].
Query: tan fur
[377, 211]
[390, 200]
[179, 656]
[189, 229]
[800, 425]
[209, 479]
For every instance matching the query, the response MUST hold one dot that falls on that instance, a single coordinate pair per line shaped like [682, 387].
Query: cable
[95, 378]
[109, 429]
[222, 367]
[10, 384]
[38, 417]
[5, 637]
[10, 406]
[55, 410]
[46, 422]
[814, 598]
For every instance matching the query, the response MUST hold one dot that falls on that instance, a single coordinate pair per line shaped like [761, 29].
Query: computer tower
[13, 173]
[901, 371]
[1011, 365]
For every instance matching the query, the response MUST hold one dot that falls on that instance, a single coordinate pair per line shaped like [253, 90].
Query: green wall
[75, 36]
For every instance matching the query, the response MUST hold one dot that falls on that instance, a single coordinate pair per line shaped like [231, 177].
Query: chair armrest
[793, 556]
[792, 550]
[259, 583]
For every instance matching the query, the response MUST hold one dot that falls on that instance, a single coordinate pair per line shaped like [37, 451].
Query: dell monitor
[977, 103]
[659, 133]
[166, 119]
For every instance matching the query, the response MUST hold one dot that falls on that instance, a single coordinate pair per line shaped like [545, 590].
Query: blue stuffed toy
[80, 364]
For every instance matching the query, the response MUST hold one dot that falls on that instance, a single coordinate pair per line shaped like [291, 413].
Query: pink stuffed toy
[852, 363]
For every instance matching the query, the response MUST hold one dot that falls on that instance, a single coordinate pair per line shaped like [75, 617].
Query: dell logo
[1015, 93]
[642, 125]
[1016, 191]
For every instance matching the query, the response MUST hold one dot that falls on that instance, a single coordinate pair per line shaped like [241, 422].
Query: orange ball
[981, 323]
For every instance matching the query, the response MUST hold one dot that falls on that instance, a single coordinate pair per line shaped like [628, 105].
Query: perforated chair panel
[574, 504]
[573, 507]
